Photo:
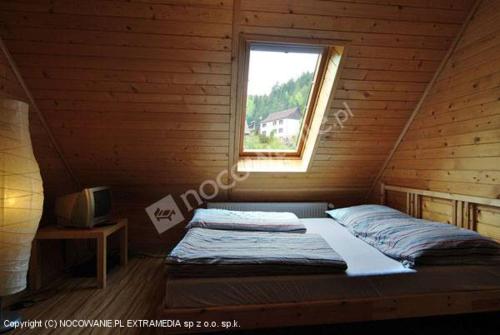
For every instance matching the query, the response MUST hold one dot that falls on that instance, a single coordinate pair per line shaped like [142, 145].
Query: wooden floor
[136, 291]
[133, 293]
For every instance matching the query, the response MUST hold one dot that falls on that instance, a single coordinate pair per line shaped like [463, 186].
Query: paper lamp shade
[21, 196]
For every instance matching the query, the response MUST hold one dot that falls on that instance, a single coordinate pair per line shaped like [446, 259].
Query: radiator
[301, 209]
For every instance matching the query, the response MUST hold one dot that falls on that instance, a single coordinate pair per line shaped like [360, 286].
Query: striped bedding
[415, 241]
[350, 215]
[213, 218]
[214, 253]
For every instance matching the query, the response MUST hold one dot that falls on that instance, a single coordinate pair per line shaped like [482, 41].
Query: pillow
[421, 242]
[246, 220]
[350, 215]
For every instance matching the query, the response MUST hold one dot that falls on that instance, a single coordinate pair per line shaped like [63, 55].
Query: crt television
[84, 209]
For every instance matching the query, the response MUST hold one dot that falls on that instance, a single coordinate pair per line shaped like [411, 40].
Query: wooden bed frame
[464, 207]
[352, 310]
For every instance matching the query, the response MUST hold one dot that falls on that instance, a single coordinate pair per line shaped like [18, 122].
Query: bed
[373, 287]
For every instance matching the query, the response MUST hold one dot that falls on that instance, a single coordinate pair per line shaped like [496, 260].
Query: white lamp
[21, 198]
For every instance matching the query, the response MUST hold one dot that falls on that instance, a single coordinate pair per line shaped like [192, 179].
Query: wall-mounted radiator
[301, 209]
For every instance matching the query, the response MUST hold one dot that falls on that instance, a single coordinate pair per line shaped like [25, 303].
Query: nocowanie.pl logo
[164, 214]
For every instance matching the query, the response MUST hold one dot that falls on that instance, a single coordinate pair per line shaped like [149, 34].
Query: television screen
[102, 202]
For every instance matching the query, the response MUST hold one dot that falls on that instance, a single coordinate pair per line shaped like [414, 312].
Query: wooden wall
[56, 180]
[138, 93]
[453, 145]
[395, 49]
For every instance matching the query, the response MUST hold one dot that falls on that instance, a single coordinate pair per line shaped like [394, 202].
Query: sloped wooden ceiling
[453, 145]
[138, 93]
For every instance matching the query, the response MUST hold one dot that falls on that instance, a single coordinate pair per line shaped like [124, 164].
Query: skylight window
[281, 89]
[284, 91]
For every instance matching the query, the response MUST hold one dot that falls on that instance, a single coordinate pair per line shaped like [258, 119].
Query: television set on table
[84, 209]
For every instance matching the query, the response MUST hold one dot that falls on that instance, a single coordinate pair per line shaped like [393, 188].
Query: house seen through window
[279, 93]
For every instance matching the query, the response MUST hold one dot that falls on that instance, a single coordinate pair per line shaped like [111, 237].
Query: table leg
[101, 261]
[124, 245]
[35, 273]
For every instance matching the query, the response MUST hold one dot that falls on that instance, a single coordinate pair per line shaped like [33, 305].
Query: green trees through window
[293, 93]
[280, 80]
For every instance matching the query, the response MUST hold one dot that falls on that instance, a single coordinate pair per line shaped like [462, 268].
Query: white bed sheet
[370, 274]
[362, 259]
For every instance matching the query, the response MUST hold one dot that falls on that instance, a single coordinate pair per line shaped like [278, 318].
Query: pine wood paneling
[139, 94]
[56, 180]
[453, 145]
[393, 53]
[396, 200]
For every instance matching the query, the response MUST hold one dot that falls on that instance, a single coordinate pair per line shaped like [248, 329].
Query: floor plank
[133, 293]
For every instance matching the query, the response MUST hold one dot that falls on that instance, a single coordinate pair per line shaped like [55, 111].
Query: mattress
[370, 274]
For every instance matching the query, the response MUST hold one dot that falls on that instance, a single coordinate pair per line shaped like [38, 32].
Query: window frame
[319, 76]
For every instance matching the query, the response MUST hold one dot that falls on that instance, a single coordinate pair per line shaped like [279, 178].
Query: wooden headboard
[471, 212]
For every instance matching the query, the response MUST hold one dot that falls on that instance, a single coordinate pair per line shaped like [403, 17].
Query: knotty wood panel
[139, 93]
[56, 180]
[393, 53]
[453, 145]
[437, 209]
[396, 200]
[487, 224]
[432, 208]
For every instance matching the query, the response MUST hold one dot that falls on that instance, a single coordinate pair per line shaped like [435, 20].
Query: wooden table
[101, 234]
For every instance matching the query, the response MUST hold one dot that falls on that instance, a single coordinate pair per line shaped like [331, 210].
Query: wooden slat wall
[432, 208]
[395, 49]
[454, 143]
[138, 93]
[56, 180]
